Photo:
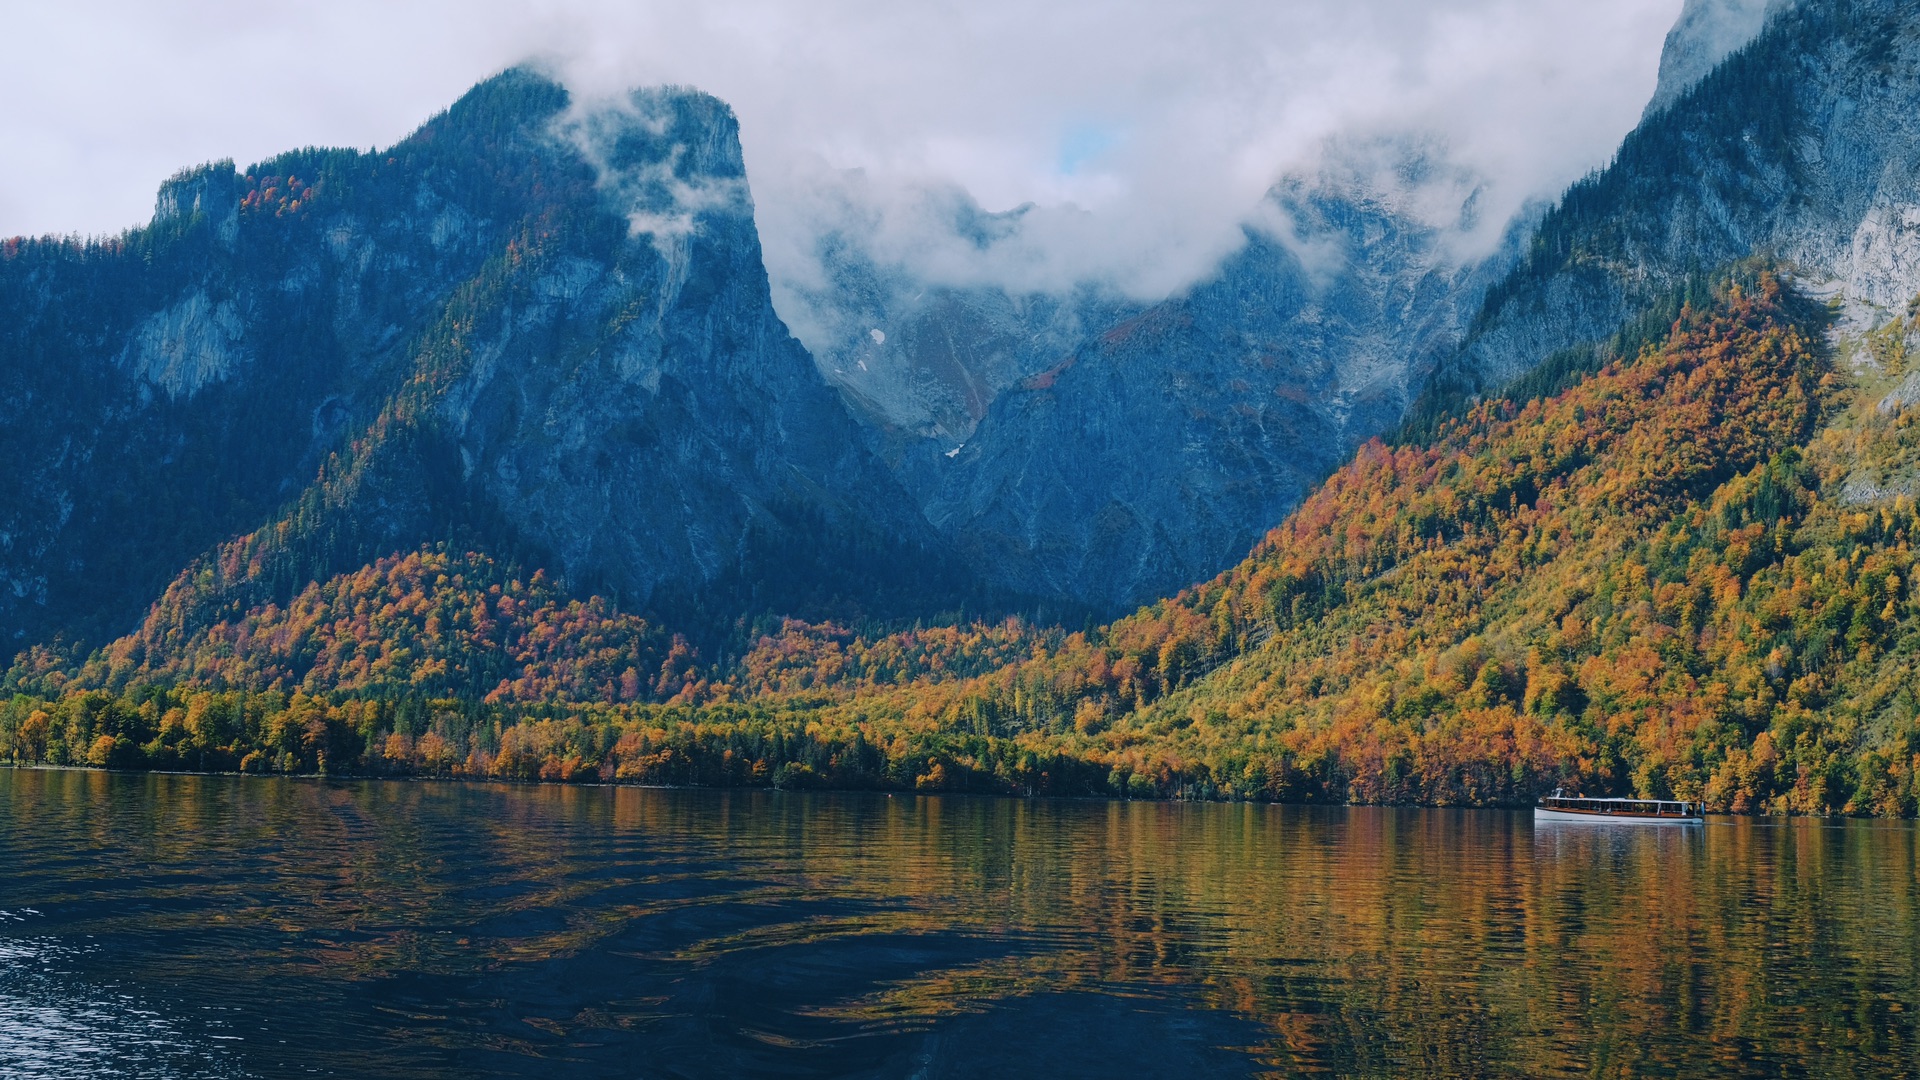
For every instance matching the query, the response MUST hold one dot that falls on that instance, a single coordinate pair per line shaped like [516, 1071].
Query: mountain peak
[667, 157]
[1707, 32]
[212, 189]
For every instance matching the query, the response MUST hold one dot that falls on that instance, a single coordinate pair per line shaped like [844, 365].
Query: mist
[1127, 143]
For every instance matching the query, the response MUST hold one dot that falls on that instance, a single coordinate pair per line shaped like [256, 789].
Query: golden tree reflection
[1363, 941]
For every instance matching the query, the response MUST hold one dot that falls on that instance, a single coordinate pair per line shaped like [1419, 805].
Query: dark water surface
[174, 926]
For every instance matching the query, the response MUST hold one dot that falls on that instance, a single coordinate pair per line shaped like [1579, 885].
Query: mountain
[1703, 36]
[538, 330]
[1690, 574]
[1102, 451]
[1800, 146]
[1634, 584]
[919, 360]
[1649, 528]
[1160, 449]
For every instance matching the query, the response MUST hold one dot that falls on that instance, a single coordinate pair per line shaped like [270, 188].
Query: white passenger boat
[1558, 807]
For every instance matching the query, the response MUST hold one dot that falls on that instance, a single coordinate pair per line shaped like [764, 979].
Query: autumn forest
[1677, 577]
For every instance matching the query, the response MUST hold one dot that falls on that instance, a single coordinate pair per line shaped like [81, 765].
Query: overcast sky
[1163, 121]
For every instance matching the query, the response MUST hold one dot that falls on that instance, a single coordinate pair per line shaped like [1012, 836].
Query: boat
[1563, 807]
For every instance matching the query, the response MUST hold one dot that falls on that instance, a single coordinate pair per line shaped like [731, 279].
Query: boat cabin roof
[1614, 802]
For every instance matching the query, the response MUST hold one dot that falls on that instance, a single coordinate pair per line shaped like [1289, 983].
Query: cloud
[1137, 135]
[658, 182]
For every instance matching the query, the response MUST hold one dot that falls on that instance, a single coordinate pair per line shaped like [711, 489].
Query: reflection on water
[237, 926]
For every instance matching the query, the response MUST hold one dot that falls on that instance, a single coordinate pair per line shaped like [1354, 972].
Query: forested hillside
[488, 455]
[531, 330]
[1688, 574]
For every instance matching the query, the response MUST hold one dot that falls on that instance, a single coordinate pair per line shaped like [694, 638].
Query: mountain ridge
[1796, 147]
[1649, 528]
[594, 377]
[1669, 579]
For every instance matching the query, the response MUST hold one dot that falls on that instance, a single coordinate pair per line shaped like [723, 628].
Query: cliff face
[924, 360]
[1108, 452]
[1161, 449]
[1703, 36]
[641, 414]
[1154, 448]
[1802, 146]
[543, 332]
[927, 363]
[1105, 451]
[170, 386]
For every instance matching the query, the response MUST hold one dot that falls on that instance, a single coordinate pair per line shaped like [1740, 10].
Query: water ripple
[223, 926]
[54, 1023]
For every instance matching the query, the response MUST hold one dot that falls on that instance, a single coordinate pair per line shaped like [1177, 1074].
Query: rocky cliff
[1706, 32]
[1104, 451]
[1802, 146]
[172, 385]
[1123, 451]
[544, 332]
[536, 329]
[924, 360]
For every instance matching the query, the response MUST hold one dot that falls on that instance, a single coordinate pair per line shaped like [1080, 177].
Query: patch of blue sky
[1083, 144]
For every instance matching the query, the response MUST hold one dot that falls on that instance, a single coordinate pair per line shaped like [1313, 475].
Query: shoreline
[1751, 819]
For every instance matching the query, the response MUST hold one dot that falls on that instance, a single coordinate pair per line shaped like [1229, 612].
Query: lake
[185, 926]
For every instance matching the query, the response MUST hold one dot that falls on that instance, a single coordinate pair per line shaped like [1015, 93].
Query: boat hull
[1600, 817]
